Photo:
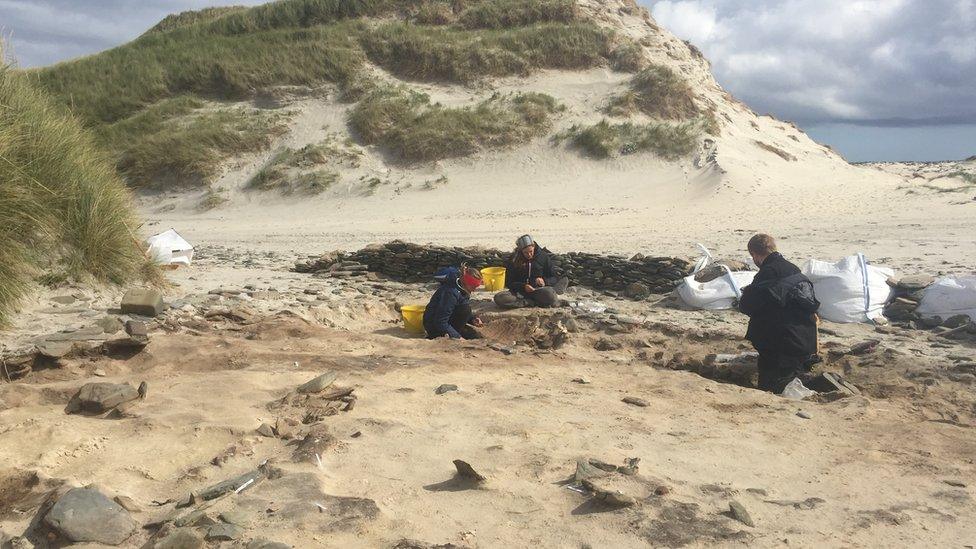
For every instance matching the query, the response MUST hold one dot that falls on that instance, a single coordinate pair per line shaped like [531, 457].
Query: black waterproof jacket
[445, 301]
[542, 265]
[780, 304]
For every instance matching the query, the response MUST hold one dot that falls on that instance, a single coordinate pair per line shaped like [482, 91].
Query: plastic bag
[851, 290]
[950, 296]
[796, 391]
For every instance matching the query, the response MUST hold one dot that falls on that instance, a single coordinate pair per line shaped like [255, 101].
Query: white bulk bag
[169, 248]
[948, 297]
[850, 290]
[715, 294]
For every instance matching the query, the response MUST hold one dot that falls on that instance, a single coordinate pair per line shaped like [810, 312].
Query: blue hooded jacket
[447, 298]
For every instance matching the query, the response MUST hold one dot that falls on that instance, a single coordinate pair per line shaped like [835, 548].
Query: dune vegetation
[605, 139]
[412, 129]
[165, 88]
[657, 92]
[63, 209]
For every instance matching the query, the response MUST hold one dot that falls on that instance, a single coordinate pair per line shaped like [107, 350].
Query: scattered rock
[585, 470]
[86, 515]
[261, 543]
[143, 390]
[319, 383]
[740, 513]
[607, 344]
[143, 302]
[464, 470]
[285, 428]
[505, 350]
[54, 349]
[582, 380]
[266, 430]
[64, 299]
[98, 397]
[109, 324]
[445, 388]
[98, 372]
[224, 532]
[636, 401]
[136, 328]
[956, 483]
[315, 443]
[128, 504]
[804, 415]
[233, 517]
[662, 491]
[607, 495]
[181, 538]
[637, 291]
[956, 321]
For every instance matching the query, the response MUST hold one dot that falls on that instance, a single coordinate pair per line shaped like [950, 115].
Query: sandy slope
[731, 188]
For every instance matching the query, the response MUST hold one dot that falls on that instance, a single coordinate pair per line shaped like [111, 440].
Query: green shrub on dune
[63, 208]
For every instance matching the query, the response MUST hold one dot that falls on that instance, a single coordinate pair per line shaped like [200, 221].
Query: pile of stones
[638, 276]
[908, 292]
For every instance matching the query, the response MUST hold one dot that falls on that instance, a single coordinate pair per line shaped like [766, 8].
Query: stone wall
[415, 263]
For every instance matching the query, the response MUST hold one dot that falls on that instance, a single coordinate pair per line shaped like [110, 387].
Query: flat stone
[804, 415]
[136, 328]
[266, 430]
[182, 538]
[319, 383]
[634, 401]
[54, 349]
[233, 517]
[109, 324]
[586, 471]
[465, 470]
[64, 299]
[224, 532]
[84, 514]
[581, 380]
[445, 388]
[98, 397]
[128, 504]
[915, 282]
[740, 513]
[142, 301]
[956, 321]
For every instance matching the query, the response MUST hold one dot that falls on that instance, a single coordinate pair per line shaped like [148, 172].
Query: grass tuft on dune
[414, 130]
[63, 208]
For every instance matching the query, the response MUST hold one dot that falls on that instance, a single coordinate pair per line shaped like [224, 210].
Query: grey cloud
[885, 62]
[42, 32]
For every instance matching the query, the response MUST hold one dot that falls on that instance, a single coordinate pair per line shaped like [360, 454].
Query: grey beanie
[524, 241]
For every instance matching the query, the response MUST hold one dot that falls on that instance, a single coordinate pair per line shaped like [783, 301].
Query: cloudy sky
[877, 79]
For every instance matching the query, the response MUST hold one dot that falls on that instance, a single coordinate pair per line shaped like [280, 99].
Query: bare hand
[540, 282]
[529, 289]
[477, 323]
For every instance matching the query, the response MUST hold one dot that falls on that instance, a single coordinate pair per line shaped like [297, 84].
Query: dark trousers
[459, 321]
[777, 370]
[547, 296]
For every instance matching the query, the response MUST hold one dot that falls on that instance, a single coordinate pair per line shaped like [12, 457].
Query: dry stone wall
[415, 263]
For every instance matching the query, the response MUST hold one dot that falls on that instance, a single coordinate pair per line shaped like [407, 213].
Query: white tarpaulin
[948, 297]
[715, 294]
[169, 248]
[850, 290]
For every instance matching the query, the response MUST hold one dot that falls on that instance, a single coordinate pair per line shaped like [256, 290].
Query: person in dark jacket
[781, 306]
[449, 311]
[531, 277]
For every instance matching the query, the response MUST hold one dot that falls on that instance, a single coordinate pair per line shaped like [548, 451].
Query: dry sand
[881, 469]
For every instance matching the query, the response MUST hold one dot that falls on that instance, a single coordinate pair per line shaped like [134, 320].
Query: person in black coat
[449, 311]
[531, 277]
[781, 306]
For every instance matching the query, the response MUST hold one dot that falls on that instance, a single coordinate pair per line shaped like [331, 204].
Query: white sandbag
[169, 248]
[850, 290]
[950, 296]
[714, 294]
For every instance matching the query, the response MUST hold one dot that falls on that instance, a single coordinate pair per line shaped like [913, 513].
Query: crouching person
[449, 311]
[530, 277]
[781, 306]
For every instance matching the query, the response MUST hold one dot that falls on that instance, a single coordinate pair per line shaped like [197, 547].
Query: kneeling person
[781, 305]
[530, 277]
[449, 311]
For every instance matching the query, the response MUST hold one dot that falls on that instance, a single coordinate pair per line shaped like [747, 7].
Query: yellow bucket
[494, 278]
[413, 318]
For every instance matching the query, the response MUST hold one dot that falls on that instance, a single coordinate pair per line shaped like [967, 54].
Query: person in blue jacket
[449, 311]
